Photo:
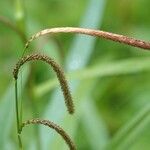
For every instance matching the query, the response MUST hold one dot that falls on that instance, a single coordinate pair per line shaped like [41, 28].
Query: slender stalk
[17, 106]
[97, 33]
[21, 26]
[19, 124]
[20, 142]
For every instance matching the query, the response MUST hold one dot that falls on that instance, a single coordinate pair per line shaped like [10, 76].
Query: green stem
[17, 108]
[17, 116]
[20, 23]
[20, 142]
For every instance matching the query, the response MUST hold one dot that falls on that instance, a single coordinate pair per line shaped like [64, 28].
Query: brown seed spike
[56, 68]
[52, 125]
[97, 33]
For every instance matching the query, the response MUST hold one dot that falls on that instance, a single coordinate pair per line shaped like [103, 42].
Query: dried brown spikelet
[59, 73]
[52, 125]
[92, 32]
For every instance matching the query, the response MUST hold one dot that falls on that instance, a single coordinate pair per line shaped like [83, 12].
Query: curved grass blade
[132, 130]
[93, 125]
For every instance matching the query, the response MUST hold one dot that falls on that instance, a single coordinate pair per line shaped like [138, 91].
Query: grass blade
[93, 125]
[132, 130]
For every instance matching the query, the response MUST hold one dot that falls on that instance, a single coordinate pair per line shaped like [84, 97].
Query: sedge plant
[60, 75]
[59, 72]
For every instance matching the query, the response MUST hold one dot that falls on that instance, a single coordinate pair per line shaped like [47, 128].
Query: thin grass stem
[19, 124]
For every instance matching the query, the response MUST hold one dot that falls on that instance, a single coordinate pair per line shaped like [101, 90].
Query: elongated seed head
[56, 68]
[54, 126]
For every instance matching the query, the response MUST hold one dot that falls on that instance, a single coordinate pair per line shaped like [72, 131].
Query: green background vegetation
[109, 82]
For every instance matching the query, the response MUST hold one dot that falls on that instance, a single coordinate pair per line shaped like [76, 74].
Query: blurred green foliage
[109, 81]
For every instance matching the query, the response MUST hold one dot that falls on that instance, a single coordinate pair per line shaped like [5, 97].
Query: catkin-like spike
[52, 125]
[98, 33]
[59, 73]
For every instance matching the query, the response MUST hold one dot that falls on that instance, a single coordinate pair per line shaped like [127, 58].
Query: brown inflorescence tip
[52, 125]
[59, 73]
[92, 32]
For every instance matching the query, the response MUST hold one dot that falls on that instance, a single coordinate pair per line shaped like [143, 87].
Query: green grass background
[109, 81]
